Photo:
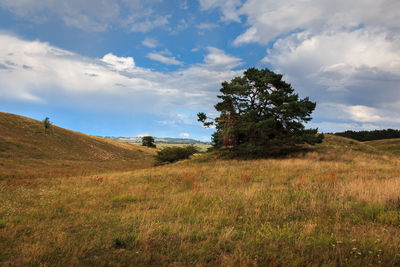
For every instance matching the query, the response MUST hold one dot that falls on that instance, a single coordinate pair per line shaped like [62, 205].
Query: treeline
[371, 135]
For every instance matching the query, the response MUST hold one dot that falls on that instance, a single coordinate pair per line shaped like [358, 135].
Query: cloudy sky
[131, 67]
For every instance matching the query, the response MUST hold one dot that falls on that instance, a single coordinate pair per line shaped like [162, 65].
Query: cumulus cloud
[331, 116]
[90, 15]
[227, 7]
[270, 19]
[111, 83]
[119, 63]
[164, 59]
[344, 54]
[359, 69]
[219, 59]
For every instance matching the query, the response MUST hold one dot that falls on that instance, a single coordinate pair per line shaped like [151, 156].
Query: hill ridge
[24, 145]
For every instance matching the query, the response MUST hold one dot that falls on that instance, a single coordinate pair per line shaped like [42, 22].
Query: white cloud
[149, 23]
[143, 134]
[163, 59]
[149, 42]
[181, 26]
[361, 67]
[218, 58]
[112, 83]
[91, 15]
[228, 8]
[269, 19]
[363, 114]
[119, 63]
[184, 135]
[333, 116]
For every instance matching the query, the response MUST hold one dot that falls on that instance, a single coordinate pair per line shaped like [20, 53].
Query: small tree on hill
[261, 114]
[47, 125]
[148, 141]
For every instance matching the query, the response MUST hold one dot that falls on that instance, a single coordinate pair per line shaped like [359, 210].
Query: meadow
[338, 204]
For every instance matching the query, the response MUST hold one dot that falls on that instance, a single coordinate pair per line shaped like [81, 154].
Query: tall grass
[335, 206]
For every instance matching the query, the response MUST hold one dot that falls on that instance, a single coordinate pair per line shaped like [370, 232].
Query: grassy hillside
[27, 150]
[387, 145]
[337, 205]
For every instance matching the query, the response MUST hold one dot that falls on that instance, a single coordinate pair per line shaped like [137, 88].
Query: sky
[132, 68]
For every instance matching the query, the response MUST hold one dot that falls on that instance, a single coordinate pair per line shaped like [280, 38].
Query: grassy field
[337, 205]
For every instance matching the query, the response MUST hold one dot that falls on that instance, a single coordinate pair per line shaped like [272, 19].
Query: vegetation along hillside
[388, 145]
[337, 204]
[26, 147]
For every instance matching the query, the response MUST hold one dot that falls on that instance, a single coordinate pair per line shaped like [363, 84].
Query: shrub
[172, 154]
[47, 125]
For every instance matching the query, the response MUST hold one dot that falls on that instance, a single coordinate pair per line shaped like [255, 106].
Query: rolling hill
[389, 145]
[336, 204]
[66, 202]
[26, 146]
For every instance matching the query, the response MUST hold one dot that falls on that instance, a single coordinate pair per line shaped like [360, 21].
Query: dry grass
[201, 147]
[389, 145]
[27, 151]
[336, 206]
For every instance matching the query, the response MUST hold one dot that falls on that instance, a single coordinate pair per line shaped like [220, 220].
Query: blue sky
[128, 68]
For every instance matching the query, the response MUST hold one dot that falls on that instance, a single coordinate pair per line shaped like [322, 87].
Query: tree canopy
[148, 141]
[260, 113]
[371, 135]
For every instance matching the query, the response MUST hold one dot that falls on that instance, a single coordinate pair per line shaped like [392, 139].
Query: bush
[47, 125]
[172, 154]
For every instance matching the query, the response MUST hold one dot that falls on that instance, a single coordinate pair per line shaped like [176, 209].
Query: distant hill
[342, 146]
[158, 140]
[24, 143]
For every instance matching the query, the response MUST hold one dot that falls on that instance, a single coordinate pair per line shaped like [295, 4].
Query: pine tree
[261, 114]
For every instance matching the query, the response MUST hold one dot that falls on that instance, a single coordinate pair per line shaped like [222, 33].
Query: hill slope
[388, 145]
[24, 143]
[335, 205]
